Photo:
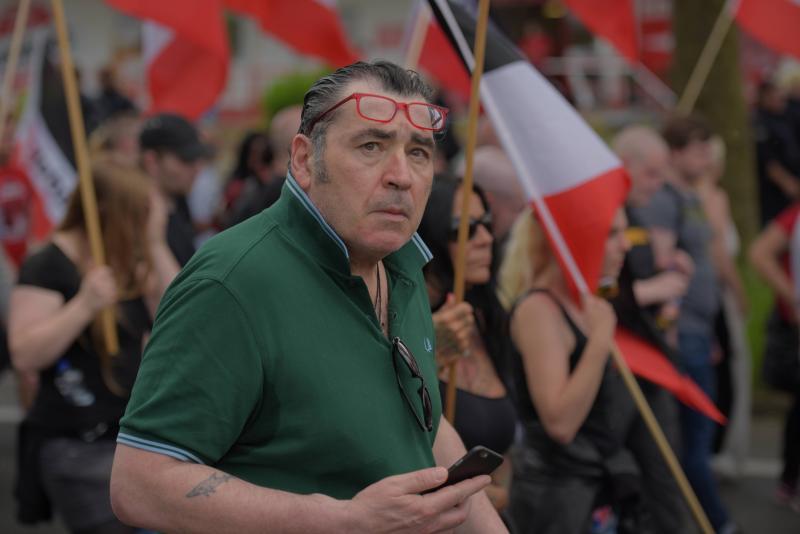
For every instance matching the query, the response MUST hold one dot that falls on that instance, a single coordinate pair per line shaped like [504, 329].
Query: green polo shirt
[268, 363]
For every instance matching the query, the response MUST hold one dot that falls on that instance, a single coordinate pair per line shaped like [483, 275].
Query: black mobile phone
[478, 461]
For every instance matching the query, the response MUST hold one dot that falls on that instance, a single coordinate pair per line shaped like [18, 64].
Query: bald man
[282, 129]
[643, 291]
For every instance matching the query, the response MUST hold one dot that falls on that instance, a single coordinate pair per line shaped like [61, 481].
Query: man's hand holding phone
[478, 461]
[395, 504]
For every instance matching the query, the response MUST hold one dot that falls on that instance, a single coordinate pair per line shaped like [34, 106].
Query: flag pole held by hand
[86, 185]
[479, 52]
[20, 22]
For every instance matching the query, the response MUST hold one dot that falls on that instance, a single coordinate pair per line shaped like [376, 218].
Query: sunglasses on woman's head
[484, 220]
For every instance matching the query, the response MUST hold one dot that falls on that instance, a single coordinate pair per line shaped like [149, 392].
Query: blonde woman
[565, 386]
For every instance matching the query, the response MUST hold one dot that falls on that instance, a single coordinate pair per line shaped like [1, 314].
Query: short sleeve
[787, 219]
[200, 379]
[663, 211]
[48, 268]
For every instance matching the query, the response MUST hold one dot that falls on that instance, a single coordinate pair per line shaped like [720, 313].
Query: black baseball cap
[171, 133]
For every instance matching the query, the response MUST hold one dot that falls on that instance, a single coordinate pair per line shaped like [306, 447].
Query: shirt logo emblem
[428, 345]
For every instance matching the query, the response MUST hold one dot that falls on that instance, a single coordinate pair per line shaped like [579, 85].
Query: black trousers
[791, 444]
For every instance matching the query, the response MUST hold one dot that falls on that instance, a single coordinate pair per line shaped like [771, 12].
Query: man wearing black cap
[171, 153]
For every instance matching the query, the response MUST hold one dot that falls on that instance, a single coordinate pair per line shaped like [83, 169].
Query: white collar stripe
[312, 209]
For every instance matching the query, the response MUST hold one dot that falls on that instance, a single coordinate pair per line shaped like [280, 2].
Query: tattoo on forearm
[209, 485]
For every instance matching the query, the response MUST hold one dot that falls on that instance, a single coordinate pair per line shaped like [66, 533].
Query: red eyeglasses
[383, 109]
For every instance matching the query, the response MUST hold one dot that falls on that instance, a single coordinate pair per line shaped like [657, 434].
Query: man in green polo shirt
[290, 383]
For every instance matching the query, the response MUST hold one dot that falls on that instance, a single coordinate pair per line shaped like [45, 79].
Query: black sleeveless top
[598, 437]
[486, 421]
[73, 398]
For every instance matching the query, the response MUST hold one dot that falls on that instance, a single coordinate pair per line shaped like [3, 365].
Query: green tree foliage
[288, 91]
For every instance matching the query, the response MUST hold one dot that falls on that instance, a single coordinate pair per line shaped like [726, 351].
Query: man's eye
[420, 153]
[370, 147]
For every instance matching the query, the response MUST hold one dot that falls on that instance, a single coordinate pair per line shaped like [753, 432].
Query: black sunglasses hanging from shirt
[400, 349]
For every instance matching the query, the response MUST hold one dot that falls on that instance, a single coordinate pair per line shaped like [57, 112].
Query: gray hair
[328, 90]
[633, 142]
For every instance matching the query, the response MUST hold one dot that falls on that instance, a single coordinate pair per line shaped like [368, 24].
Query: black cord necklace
[378, 305]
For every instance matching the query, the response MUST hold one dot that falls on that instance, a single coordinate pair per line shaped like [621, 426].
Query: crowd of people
[296, 372]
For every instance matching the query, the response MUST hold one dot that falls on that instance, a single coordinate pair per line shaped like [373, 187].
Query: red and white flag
[185, 46]
[774, 23]
[436, 56]
[613, 20]
[311, 27]
[647, 362]
[574, 181]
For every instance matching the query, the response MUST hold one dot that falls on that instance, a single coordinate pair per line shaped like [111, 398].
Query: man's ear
[300, 161]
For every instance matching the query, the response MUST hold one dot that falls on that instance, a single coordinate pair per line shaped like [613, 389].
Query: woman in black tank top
[475, 332]
[70, 430]
[563, 383]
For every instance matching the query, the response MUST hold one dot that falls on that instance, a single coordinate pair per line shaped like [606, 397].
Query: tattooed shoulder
[209, 485]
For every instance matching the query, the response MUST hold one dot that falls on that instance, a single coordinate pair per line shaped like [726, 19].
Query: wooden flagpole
[418, 33]
[661, 441]
[84, 169]
[20, 22]
[479, 52]
[706, 60]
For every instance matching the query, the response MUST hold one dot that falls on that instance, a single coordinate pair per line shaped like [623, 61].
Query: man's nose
[397, 173]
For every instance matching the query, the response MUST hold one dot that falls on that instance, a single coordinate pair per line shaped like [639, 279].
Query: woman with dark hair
[70, 431]
[473, 332]
[255, 154]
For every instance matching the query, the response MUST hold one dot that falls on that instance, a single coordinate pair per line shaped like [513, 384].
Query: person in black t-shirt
[171, 153]
[777, 153]
[68, 437]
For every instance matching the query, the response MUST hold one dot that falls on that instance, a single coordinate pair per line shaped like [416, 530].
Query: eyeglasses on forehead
[383, 109]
